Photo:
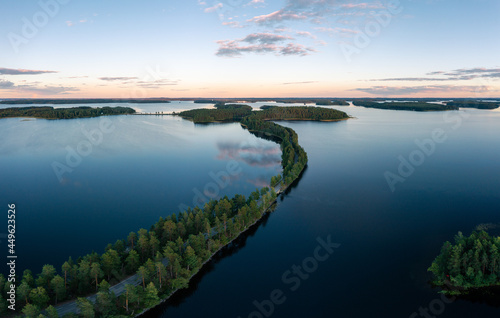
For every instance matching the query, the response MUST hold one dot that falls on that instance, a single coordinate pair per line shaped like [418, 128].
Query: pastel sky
[249, 48]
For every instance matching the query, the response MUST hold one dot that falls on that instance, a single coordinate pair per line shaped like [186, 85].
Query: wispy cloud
[157, 83]
[409, 79]
[18, 71]
[409, 90]
[233, 24]
[300, 83]
[5, 84]
[261, 43]
[34, 88]
[265, 38]
[305, 34]
[214, 8]
[277, 16]
[465, 74]
[364, 5]
[120, 78]
[316, 11]
[262, 156]
[72, 23]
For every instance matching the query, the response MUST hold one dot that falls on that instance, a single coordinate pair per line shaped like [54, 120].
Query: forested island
[474, 104]
[164, 258]
[411, 106]
[470, 263]
[47, 112]
[222, 113]
[236, 112]
[331, 103]
[85, 101]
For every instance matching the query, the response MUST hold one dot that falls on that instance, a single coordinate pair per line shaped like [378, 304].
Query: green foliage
[31, 311]
[211, 115]
[86, 307]
[327, 102]
[474, 104]
[57, 286]
[63, 113]
[151, 296]
[299, 113]
[233, 106]
[413, 106]
[471, 262]
[39, 297]
[264, 107]
[51, 312]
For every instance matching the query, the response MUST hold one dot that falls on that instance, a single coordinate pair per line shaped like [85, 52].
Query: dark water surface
[149, 165]
[388, 239]
[142, 168]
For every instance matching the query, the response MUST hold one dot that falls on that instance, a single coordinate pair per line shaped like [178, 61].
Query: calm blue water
[388, 239]
[149, 165]
[146, 167]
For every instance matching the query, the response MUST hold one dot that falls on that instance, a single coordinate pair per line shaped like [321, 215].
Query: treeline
[412, 106]
[47, 112]
[164, 258]
[86, 101]
[300, 113]
[222, 113]
[471, 262]
[293, 157]
[232, 106]
[208, 101]
[332, 102]
[474, 104]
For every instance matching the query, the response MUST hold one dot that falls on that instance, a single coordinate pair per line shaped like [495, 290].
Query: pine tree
[86, 307]
[58, 287]
[151, 296]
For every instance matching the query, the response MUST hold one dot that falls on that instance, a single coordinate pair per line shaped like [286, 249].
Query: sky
[249, 48]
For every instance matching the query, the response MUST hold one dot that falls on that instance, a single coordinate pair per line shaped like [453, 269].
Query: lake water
[148, 166]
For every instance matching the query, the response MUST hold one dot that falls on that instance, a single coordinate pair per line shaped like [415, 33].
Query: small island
[471, 263]
[47, 112]
[410, 106]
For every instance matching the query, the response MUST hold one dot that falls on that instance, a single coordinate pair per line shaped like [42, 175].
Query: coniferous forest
[47, 112]
[471, 262]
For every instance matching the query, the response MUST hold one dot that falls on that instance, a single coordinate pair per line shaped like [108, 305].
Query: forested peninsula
[47, 112]
[163, 259]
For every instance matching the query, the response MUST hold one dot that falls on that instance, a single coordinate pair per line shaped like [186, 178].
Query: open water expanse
[386, 233]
